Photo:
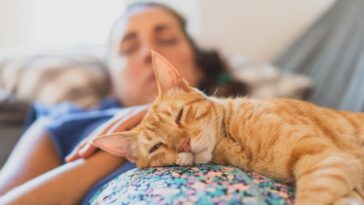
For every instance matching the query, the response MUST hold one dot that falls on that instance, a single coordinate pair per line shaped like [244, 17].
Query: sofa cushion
[12, 117]
[51, 77]
[202, 184]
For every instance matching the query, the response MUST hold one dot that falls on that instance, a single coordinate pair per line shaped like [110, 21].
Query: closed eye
[179, 116]
[155, 147]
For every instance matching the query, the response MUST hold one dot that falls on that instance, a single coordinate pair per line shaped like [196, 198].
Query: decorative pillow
[203, 184]
[267, 81]
[75, 75]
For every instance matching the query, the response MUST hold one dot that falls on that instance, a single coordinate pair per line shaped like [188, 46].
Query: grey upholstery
[332, 53]
[12, 117]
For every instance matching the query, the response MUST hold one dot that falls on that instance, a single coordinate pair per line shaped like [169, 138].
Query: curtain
[331, 52]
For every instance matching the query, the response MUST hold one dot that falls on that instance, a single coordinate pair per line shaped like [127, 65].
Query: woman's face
[143, 30]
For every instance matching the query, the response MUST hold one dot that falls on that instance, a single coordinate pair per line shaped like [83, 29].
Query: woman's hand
[125, 120]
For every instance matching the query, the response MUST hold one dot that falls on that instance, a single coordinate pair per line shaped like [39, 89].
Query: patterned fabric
[203, 184]
[76, 75]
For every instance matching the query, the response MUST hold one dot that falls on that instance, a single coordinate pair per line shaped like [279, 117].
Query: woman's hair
[216, 77]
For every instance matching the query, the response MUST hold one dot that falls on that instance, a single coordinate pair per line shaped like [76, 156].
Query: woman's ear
[120, 144]
[166, 74]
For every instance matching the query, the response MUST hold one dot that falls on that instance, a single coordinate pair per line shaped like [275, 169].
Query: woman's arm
[33, 155]
[66, 184]
[124, 120]
[29, 167]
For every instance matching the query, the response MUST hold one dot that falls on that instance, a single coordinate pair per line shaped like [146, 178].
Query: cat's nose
[184, 145]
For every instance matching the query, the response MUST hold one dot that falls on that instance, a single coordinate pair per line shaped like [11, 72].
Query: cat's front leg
[323, 178]
[354, 198]
[184, 159]
[203, 157]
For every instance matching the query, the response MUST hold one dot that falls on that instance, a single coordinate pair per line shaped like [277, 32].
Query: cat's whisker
[215, 92]
[146, 97]
[111, 134]
[115, 134]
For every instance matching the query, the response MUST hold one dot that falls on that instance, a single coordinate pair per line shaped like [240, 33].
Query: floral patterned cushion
[202, 184]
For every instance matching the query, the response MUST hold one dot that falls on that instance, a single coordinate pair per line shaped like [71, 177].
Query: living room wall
[257, 29]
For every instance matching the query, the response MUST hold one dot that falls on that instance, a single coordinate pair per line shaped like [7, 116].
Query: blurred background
[52, 51]
[258, 29]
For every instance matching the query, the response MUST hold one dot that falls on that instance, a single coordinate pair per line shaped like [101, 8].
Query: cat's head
[179, 128]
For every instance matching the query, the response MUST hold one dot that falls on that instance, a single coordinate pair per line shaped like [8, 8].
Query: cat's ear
[167, 76]
[120, 144]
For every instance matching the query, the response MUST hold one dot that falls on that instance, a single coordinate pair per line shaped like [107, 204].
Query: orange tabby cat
[318, 149]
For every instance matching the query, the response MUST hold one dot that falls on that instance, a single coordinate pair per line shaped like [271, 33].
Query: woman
[37, 163]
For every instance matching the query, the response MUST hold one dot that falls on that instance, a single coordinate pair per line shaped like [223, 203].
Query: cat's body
[318, 149]
[271, 135]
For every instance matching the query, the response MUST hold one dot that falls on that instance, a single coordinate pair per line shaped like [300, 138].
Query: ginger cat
[318, 149]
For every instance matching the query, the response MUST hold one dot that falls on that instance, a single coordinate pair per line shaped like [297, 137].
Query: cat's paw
[203, 157]
[348, 201]
[184, 159]
[353, 198]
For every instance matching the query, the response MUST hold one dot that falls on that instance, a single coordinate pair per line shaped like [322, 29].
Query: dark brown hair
[217, 79]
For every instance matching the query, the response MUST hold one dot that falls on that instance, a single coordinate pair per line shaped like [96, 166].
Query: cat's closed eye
[179, 116]
[155, 147]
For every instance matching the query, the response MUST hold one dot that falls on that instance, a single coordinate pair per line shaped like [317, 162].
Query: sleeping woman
[37, 172]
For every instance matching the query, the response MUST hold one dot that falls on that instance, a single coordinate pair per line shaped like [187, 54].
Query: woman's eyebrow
[162, 27]
[129, 36]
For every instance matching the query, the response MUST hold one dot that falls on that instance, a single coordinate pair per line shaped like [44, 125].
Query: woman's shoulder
[68, 108]
[67, 112]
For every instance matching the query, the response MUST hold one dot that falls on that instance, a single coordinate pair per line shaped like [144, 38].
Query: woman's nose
[146, 53]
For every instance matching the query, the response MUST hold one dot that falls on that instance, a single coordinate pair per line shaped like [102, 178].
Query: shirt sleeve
[67, 125]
